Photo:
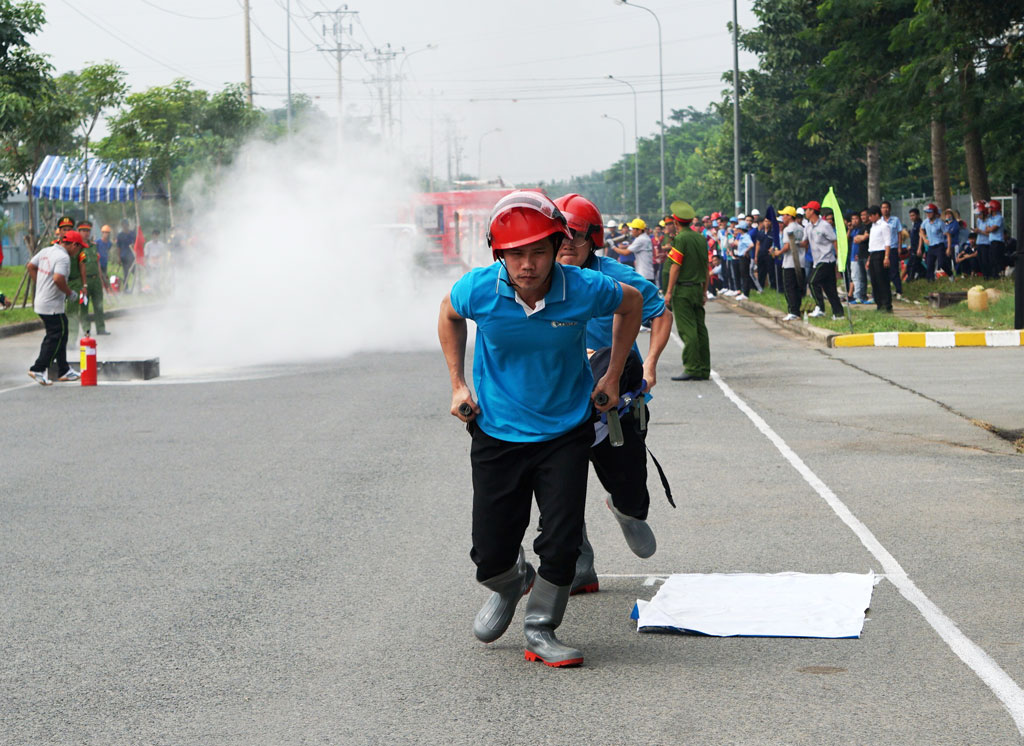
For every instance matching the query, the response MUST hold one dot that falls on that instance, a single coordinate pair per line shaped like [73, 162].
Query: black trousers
[823, 280]
[54, 347]
[915, 267]
[794, 281]
[795, 289]
[506, 476]
[997, 252]
[766, 270]
[743, 269]
[880, 280]
[623, 469]
[894, 271]
[937, 259]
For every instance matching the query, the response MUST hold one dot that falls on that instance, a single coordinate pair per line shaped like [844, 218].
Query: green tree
[92, 91]
[160, 126]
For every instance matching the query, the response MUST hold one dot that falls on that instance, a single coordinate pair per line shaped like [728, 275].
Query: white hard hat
[799, 211]
[755, 212]
[611, 224]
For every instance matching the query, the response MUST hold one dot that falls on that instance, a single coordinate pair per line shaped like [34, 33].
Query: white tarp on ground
[787, 604]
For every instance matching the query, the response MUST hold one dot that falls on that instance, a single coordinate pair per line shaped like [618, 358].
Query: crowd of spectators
[794, 251]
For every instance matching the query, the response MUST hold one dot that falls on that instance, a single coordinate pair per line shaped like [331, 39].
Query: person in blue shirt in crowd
[996, 237]
[935, 239]
[915, 261]
[951, 236]
[967, 256]
[622, 470]
[532, 419]
[895, 226]
[981, 228]
[744, 246]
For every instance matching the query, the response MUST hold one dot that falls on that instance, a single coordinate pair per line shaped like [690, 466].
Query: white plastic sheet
[787, 604]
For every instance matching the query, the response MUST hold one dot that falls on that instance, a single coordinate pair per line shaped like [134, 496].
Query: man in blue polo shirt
[996, 237]
[532, 428]
[622, 469]
[981, 228]
[933, 237]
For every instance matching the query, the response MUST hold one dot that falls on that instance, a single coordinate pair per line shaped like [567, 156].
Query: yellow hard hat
[638, 224]
[788, 210]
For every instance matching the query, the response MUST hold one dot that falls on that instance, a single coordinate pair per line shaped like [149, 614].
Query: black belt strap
[664, 479]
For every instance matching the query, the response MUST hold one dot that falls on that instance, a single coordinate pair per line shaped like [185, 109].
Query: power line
[119, 36]
[192, 18]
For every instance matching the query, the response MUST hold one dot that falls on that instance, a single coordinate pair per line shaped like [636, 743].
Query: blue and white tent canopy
[64, 179]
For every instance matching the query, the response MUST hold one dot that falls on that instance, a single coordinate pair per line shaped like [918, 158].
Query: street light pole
[661, 93]
[480, 152]
[623, 202]
[736, 110]
[401, 100]
[636, 149]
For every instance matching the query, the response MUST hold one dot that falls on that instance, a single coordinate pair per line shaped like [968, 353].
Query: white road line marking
[15, 388]
[1004, 687]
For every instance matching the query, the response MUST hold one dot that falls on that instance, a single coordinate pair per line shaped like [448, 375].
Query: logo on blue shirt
[563, 323]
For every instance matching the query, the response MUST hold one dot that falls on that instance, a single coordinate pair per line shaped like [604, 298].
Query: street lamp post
[636, 151]
[480, 152]
[735, 110]
[401, 100]
[661, 93]
[623, 202]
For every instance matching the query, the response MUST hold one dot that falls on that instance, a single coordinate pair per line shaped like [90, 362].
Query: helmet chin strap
[511, 283]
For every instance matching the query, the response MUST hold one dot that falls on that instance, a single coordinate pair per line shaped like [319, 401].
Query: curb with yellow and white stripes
[998, 338]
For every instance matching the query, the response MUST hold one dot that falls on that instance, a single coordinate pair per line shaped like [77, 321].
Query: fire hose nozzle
[614, 426]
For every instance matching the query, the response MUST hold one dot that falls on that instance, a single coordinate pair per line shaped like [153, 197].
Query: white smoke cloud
[294, 263]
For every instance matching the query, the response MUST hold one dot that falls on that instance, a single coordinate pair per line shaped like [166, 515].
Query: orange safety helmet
[582, 216]
[523, 217]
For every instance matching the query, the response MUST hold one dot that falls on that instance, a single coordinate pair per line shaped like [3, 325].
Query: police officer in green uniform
[686, 288]
[84, 280]
[96, 279]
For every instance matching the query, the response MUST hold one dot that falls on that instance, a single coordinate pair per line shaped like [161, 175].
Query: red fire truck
[454, 227]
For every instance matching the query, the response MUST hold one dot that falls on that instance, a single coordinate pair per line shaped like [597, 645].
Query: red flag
[140, 246]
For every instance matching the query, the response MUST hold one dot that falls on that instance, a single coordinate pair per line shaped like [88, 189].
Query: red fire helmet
[582, 216]
[994, 205]
[523, 217]
[980, 206]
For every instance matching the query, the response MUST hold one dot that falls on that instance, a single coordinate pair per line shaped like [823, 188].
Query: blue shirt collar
[556, 294]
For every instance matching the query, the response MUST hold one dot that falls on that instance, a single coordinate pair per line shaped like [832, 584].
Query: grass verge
[999, 314]
[866, 320]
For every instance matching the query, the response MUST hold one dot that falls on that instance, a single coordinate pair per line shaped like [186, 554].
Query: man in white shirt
[821, 238]
[49, 269]
[880, 253]
[642, 250]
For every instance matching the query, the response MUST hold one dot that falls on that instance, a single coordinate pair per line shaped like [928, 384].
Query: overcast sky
[536, 69]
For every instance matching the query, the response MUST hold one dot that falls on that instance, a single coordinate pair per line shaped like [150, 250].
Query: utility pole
[383, 59]
[335, 24]
[248, 56]
[288, 37]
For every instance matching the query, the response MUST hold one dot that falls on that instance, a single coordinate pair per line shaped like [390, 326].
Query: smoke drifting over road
[298, 259]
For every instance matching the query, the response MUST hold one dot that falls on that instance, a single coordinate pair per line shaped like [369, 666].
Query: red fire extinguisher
[88, 349]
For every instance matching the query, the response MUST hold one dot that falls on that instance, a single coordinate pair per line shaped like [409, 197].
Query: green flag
[842, 248]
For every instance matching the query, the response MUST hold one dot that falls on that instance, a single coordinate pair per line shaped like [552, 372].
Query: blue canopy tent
[61, 178]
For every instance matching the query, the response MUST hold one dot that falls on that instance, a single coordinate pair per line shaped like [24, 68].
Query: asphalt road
[280, 556]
